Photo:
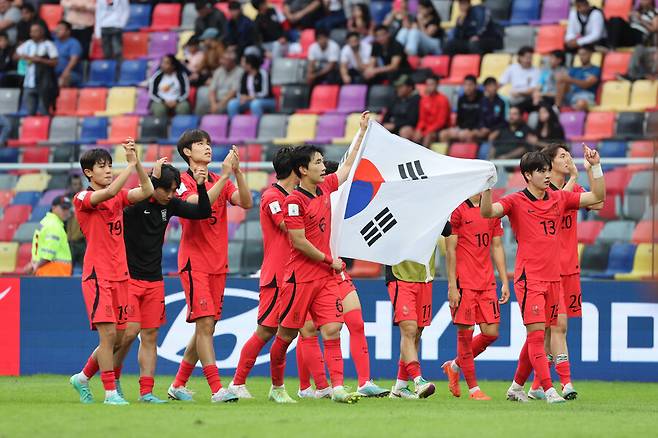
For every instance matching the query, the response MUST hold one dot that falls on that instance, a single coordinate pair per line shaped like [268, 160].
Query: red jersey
[102, 226]
[536, 224]
[311, 213]
[204, 243]
[474, 266]
[569, 238]
[276, 246]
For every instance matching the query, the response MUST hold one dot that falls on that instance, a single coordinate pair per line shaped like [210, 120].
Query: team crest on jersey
[293, 210]
[405, 310]
[203, 304]
[535, 309]
[275, 207]
[163, 212]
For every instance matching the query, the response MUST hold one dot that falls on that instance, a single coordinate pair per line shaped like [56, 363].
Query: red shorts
[204, 294]
[572, 296]
[319, 298]
[345, 287]
[539, 301]
[146, 303]
[268, 306]
[476, 306]
[411, 302]
[106, 301]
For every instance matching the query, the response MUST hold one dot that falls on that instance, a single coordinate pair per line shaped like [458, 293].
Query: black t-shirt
[385, 54]
[511, 138]
[468, 111]
[268, 27]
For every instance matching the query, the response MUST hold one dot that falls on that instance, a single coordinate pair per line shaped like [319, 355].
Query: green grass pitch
[46, 405]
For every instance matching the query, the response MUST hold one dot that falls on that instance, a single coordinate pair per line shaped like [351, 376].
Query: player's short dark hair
[66, 24]
[535, 160]
[490, 80]
[321, 31]
[525, 49]
[471, 78]
[253, 61]
[301, 157]
[28, 7]
[94, 156]
[331, 166]
[168, 175]
[552, 149]
[381, 27]
[588, 47]
[351, 34]
[282, 162]
[188, 138]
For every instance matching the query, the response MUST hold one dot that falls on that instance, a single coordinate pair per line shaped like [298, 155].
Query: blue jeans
[257, 106]
[416, 42]
[32, 102]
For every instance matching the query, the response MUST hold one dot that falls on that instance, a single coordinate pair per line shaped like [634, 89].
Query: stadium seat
[63, 130]
[132, 73]
[252, 256]
[16, 213]
[644, 95]
[102, 73]
[8, 252]
[572, 123]
[599, 125]
[339, 35]
[250, 152]
[439, 64]
[28, 198]
[135, 45]
[256, 180]
[364, 269]
[594, 260]
[161, 44]
[494, 64]
[641, 149]
[183, 38]
[613, 149]
[93, 129]
[617, 8]
[243, 128]
[524, 11]
[153, 128]
[23, 257]
[549, 38]
[7, 181]
[630, 125]
[91, 101]
[614, 96]
[67, 102]
[234, 256]
[463, 150]
[617, 231]
[202, 105]
[379, 9]
[180, 124]
[236, 215]
[9, 155]
[189, 16]
[352, 98]
[652, 125]
[10, 100]
[644, 264]
[272, 126]
[380, 97]
[330, 126]
[140, 17]
[306, 38]
[96, 49]
[334, 152]
[25, 232]
[615, 182]
[52, 14]
[31, 182]
[499, 9]
[615, 63]
[301, 128]
[351, 128]
[517, 37]
[216, 125]
[597, 60]
[5, 199]
[324, 98]
[46, 201]
[166, 16]
[645, 232]
[462, 66]
[293, 98]
[39, 211]
[288, 71]
[588, 231]
[637, 194]
[555, 11]
[122, 127]
[33, 130]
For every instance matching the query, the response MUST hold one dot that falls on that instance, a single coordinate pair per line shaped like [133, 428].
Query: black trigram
[411, 170]
[377, 227]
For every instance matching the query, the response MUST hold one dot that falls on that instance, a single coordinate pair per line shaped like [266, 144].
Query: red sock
[183, 375]
[536, 384]
[402, 371]
[117, 372]
[146, 385]
[481, 342]
[278, 360]
[413, 369]
[212, 376]
[107, 377]
[90, 368]
[563, 370]
[465, 356]
[358, 345]
[334, 359]
[248, 357]
[314, 360]
[537, 356]
[302, 369]
[524, 368]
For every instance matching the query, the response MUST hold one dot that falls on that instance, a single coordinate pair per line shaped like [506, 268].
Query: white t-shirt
[347, 54]
[330, 54]
[520, 78]
[169, 87]
[30, 48]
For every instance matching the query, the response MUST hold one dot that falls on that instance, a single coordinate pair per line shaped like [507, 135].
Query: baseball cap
[62, 201]
[209, 34]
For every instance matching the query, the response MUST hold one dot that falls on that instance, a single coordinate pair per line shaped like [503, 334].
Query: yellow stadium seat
[596, 3]
[351, 128]
[120, 101]
[440, 148]
[32, 182]
[581, 247]
[597, 59]
[494, 64]
[301, 128]
[8, 252]
[504, 90]
[256, 180]
[614, 96]
[642, 269]
[119, 155]
[643, 95]
[454, 14]
[183, 37]
[249, 11]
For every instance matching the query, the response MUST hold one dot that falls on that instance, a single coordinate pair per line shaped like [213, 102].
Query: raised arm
[489, 209]
[344, 170]
[145, 188]
[115, 187]
[242, 197]
[597, 193]
[498, 256]
[217, 188]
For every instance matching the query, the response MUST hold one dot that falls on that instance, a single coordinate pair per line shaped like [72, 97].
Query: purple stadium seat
[243, 128]
[48, 197]
[351, 99]
[162, 43]
[573, 123]
[330, 126]
[217, 126]
[143, 100]
[553, 12]
[577, 149]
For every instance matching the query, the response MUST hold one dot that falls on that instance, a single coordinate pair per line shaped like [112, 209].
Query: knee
[149, 336]
[287, 335]
[408, 332]
[265, 333]
[255, 106]
[205, 326]
[331, 331]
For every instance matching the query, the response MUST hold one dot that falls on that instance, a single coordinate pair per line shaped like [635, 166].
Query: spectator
[51, 255]
[475, 31]
[422, 37]
[434, 113]
[512, 141]
[548, 78]
[225, 83]
[402, 117]
[323, 56]
[641, 25]
[9, 18]
[28, 18]
[524, 79]
[354, 58]
[361, 22]
[255, 90]
[578, 87]
[169, 88]
[398, 17]
[549, 130]
[208, 17]
[194, 62]
[302, 14]
[586, 26]
[82, 16]
[468, 114]
[7, 63]
[74, 234]
[388, 60]
[111, 17]
[40, 84]
[493, 110]
[240, 30]
[269, 27]
[644, 64]
[69, 68]
[212, 51]
[334, 16]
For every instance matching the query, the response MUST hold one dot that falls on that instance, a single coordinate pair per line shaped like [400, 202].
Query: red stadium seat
[462, 66]
[16, 214]
[135, 45]
[641, 149]
[323, 99]
[91, 101]
[23, 257]
[5, 197]
[122, 127]
[616, 181]
[96, 50]
[7, 230]
[306, 38]
[516, 181]
[549, 38]
[166, 17]
[363, 269]
[615, 63]
[599, 125]
[250, 152]
[223, 6]
[463, 150]
[588, 231]
[236, 215]
[51, 14]
[33, 130]
[439, 64]
[617, 8]
[36, 155]
[414, 61]
[67, 102]
[645, 232]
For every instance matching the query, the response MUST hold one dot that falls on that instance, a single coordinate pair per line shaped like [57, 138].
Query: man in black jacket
[468, 114]
[401, 118]
[209, 17]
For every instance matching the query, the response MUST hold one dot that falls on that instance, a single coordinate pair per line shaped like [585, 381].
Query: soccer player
[276, 250]
[535, 215]
[472, 289]
[310, 279]
[203, 262]
[99, 210]
[571, 295]
[145, 225]
[409, 287]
